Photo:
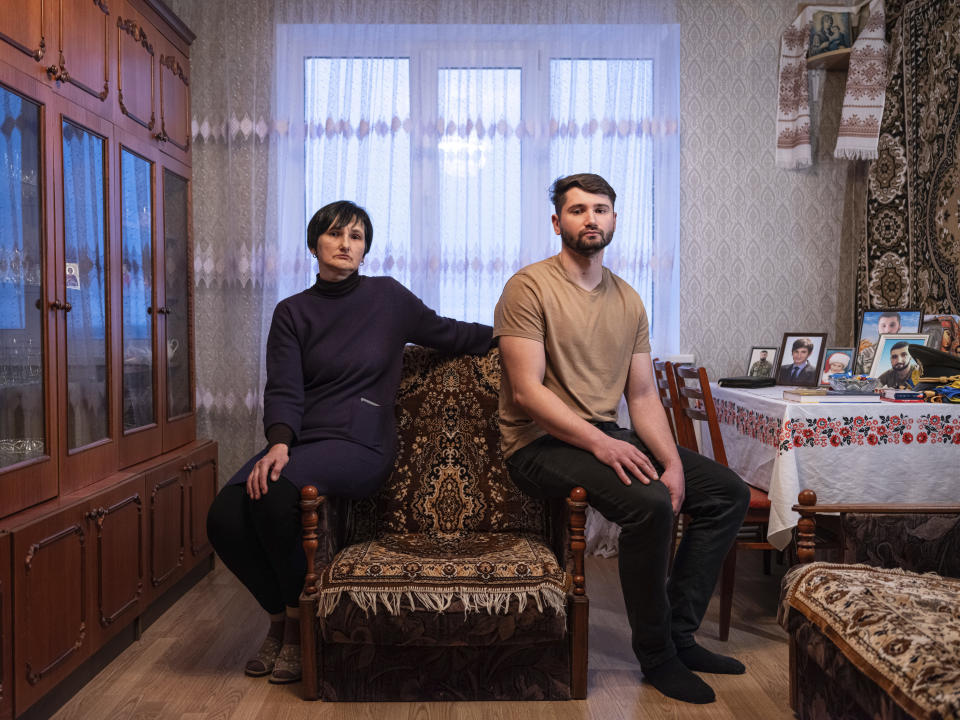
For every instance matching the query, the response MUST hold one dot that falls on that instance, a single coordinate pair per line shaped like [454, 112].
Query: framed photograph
[836, 360]
[762, 362]
[829, 31]
[875, 323]
[944, 332]
[801, 357]
[892, 363]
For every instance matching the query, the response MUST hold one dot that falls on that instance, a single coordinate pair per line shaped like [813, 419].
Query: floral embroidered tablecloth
[845, 452]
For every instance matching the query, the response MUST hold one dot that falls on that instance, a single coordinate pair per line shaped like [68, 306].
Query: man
[799, 372]
[901, 367]
[761, 368]
[888, 323]
[573, 341]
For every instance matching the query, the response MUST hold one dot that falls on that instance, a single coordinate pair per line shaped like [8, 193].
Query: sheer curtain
[450, 136]
[473, 206]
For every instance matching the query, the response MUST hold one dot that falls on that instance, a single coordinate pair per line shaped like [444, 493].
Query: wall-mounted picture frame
[944, 332]
[836, 360]
[801, 357]
[829, 31]
[762, 362]
[873, 324]
[892, 363]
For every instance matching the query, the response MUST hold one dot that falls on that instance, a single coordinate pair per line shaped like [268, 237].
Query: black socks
[676, 681]
[700, 659]
[675, 678]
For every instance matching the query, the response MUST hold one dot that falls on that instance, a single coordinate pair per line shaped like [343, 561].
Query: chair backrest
[667, 390]
[698, 389]
[449, 476]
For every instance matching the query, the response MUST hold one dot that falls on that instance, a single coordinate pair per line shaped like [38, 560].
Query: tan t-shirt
[588, 338]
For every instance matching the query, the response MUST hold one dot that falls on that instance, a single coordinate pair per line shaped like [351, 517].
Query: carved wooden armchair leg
[579, 624]
[310, 500]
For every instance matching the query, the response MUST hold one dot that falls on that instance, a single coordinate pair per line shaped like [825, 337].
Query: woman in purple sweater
[334, 357]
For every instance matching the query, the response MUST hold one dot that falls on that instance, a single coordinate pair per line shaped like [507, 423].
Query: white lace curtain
[447, 121]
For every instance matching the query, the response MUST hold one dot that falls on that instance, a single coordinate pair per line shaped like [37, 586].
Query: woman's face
[340, 251]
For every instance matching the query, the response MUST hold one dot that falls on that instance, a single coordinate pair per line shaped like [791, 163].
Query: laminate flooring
[188, 665]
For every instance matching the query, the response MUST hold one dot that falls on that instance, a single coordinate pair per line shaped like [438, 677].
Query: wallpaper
[761, 248]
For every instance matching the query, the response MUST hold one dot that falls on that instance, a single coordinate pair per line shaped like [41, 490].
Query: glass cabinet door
[22, 414]
[176, 308]
[85, 235]
[137, 290]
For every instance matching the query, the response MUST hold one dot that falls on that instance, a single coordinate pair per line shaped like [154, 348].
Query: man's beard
[584, 247]
[901, 368]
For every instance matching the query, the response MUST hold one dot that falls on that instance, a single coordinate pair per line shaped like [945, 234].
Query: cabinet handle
[160, 136]
[56, 305]
[150, 310]
[67, 306]
[189, 467]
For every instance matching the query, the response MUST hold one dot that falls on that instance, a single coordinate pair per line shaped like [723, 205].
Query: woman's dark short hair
[335, 216]
[588, 182]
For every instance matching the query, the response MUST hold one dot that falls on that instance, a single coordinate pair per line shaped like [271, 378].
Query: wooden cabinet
[103, 487]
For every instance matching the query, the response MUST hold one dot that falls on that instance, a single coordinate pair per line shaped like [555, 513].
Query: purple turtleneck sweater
[334, 356]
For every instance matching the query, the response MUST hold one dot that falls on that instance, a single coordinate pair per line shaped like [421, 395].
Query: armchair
[449, 583]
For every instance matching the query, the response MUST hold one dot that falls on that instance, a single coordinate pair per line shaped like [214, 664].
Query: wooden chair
[753, 534]
[667, 389]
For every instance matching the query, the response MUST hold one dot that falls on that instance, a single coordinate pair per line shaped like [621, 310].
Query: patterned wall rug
[911, 256]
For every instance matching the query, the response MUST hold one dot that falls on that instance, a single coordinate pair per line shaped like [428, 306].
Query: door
[201, 469]
[6, 630]
[166, 497]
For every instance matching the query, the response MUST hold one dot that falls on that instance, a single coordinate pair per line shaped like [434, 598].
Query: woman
[334, 357]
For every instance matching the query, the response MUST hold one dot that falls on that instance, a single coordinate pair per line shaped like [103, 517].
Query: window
[451, 135]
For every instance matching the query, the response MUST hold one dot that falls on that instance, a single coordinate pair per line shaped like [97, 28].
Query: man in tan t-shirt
[574, 340]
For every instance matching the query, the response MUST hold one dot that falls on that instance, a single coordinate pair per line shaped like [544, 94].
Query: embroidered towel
[863, 98]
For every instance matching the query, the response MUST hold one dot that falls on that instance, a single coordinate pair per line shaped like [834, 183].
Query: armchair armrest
[578, 621]
[809, 509]
[323, 522]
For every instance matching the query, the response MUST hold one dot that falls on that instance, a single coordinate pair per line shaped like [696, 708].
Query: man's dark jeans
[663, 615]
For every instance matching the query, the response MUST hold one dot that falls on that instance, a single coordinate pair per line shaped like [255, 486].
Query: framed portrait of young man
[873, 324]
[892, 363]
[762, 362]
[836, 360]
[801, 355]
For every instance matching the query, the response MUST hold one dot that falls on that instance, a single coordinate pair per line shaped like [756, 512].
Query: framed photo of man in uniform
[893, 364]
[762, 362]
[801, 355]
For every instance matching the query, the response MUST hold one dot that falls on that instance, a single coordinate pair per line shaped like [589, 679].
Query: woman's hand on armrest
[269, 466]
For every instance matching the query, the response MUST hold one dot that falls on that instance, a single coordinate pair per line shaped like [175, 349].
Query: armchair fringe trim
[495, 602]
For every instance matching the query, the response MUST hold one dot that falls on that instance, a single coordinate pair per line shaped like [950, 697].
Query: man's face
[763, 354]
[800, 355]
[888, 325]
[899, 359]
[586, 222]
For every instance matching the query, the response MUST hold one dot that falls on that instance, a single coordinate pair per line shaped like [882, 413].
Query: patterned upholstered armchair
[449, 583]
[878, 634]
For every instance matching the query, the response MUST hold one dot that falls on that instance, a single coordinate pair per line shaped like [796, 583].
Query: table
[845, 452]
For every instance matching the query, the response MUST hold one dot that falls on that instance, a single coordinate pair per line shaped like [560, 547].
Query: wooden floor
[188, 665]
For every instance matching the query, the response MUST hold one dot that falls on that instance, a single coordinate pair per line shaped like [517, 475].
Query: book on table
[822, 395]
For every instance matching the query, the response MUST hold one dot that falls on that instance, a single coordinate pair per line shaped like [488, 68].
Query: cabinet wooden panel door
[174, 102]
[166, 499]
[24, 29]
[201, 490]
[136, 72]
[118, 534]
[51, 561]
[6, 630]
[175, 297]
[82, 60]
[28, 380]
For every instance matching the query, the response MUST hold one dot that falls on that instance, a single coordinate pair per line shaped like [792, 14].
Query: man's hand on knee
[672, 477]
[626, 460]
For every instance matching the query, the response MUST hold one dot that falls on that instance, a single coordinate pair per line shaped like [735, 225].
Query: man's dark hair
[899, 346]
[335, 216]
[890, 313]
[802, 343]
[588, 182]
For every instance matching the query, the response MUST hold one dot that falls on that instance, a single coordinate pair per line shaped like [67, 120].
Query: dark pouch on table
[746, 381]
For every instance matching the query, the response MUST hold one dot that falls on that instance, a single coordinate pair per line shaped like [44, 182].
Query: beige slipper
[266, 658]
[287, 667]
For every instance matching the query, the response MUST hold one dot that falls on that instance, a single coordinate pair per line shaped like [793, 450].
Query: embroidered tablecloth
[845, 452]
